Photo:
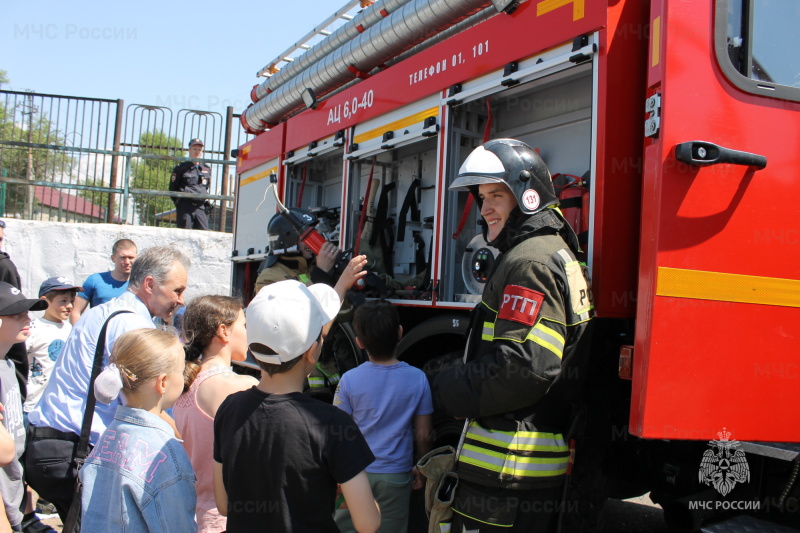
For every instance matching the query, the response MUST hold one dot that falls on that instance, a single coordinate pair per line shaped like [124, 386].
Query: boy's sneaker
[31, 524]
[45, 510]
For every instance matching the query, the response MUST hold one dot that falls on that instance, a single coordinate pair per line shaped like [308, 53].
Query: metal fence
[73, 159]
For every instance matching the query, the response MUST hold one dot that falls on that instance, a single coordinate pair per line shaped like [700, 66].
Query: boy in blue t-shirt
[390, 402]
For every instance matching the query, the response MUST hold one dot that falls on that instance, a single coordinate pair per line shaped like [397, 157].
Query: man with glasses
[191, 177]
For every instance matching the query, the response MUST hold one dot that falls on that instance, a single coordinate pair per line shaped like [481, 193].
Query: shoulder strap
[88, 414]
[202, 376]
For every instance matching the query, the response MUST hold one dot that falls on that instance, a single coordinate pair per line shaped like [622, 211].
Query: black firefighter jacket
[525, 359]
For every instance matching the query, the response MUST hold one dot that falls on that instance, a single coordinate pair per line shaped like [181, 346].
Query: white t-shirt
[44, 346]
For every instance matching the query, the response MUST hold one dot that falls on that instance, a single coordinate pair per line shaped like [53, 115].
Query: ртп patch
[520, 305]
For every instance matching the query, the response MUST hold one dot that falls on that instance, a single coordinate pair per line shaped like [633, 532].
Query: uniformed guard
[195, 178]
[526, 353]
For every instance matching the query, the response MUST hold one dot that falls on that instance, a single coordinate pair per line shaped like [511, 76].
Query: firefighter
[526, 350]
[290, 258]
[194, 178]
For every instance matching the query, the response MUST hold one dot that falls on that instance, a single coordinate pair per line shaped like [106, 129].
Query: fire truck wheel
[586, 490]
[340, 345]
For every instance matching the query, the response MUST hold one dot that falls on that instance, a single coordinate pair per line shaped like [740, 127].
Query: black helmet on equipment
[283, 237]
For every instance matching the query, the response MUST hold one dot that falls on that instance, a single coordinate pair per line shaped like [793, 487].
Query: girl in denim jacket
[138, 476]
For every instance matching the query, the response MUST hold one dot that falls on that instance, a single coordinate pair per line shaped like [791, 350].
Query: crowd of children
[243, 454]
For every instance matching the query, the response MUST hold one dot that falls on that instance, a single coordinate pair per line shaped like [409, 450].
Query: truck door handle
[701, 153]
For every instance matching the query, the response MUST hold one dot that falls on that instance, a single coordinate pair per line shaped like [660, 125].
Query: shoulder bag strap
[88, 414]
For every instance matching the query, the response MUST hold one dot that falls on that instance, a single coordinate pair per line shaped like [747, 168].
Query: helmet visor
[464, 181]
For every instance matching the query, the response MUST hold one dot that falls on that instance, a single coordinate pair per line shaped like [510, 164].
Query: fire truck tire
[341, 340]
[586, 492]
[425, 332]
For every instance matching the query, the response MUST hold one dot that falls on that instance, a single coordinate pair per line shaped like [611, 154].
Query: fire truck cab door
[718, 310]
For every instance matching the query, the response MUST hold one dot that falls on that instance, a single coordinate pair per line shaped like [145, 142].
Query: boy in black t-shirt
[280, 453]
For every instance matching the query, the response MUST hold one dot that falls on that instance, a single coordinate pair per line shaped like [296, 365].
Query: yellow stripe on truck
[725, 287]
[256, 177]
[396, 125]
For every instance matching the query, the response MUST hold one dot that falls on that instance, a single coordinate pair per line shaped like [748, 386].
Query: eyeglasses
[2, 224]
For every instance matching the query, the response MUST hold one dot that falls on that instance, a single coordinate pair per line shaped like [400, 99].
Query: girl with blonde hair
[138, 476]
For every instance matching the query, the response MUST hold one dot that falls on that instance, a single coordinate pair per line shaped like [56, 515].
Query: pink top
[197, 430]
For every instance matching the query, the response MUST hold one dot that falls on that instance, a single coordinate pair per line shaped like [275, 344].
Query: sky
[200, 55]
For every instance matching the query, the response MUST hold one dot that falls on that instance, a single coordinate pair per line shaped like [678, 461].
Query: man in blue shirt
[157, 282]
[103, 286]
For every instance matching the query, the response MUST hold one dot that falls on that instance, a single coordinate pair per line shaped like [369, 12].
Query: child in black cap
[15, 326]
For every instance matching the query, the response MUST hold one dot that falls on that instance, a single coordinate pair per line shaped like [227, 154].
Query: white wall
[44, 249]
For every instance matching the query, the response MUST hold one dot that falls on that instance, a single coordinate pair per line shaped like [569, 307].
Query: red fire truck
[671, 129]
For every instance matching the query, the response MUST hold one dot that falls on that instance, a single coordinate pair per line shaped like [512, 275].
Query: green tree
[154, 174]
[3, 78]
[21, 121]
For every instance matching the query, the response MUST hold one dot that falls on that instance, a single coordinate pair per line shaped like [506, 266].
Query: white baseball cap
[288, 317]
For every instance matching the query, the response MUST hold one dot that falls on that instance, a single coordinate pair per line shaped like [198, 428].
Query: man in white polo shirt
[158, 280]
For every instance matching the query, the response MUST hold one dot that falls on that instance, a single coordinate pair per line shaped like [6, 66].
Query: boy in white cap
[280, 453]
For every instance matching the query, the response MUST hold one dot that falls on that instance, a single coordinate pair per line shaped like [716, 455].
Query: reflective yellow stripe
[655, 42]
[539, 444]
[508, 461]
[488, 440]
[256, 177]
[332, 378]
[316, 383]
[547, 338]
[724, 287]
[488, 331]
[546, 6]
[396, 125]
[513, 465]
[518, 440]
[529, 463]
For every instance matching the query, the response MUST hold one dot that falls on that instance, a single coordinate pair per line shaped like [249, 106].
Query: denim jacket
[138, 478]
